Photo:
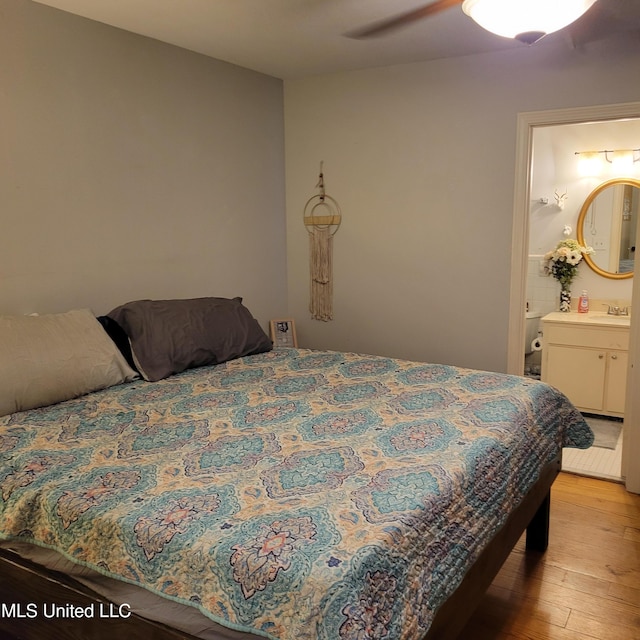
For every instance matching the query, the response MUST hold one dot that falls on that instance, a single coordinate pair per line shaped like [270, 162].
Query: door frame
[526, 123]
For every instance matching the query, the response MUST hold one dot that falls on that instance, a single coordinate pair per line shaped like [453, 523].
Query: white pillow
[50, 358]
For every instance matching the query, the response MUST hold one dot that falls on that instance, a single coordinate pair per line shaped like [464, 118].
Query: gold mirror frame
[580, 224]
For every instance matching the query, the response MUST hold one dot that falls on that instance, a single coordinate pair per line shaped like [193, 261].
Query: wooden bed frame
[24, 582]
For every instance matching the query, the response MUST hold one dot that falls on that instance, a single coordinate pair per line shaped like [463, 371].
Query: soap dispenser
[583, 303]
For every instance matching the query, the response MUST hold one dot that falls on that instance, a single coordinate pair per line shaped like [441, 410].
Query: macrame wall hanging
[322, 218]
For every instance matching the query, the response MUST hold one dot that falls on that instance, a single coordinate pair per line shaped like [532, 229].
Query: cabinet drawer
[595, 337]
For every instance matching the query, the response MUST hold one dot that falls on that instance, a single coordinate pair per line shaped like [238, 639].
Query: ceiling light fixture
[525, 20]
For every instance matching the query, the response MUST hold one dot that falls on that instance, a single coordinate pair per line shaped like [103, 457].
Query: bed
[282, 493]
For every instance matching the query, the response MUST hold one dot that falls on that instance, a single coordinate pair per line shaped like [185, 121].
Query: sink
[592, 317]
[607, 319]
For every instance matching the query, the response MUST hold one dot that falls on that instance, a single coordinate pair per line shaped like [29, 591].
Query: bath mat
[606, 432]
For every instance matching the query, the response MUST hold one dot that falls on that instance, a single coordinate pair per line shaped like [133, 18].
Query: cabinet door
[616, 381]
[578, 373]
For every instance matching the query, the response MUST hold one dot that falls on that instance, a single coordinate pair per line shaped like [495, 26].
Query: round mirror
[607, 223]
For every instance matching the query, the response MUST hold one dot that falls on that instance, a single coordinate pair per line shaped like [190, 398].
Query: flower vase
[565, 300]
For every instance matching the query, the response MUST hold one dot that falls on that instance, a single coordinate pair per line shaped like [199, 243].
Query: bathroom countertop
[599, 318]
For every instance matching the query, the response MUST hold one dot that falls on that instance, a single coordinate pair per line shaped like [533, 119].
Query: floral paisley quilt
[293, 494]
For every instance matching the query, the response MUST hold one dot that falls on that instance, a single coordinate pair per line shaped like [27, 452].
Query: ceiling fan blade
[404, 19]
[605, 19]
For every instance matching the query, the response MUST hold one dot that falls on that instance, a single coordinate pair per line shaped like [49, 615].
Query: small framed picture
[283, 333]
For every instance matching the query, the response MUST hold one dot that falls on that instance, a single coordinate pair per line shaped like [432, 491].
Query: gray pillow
[54, 357]
[170, 336]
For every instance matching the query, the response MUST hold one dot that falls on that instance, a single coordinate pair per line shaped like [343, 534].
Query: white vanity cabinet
[586, 356]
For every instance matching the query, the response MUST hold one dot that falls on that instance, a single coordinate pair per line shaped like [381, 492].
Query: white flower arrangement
[562, 263]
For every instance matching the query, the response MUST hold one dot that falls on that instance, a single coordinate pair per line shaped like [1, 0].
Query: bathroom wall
[543, 292]
[557, 172]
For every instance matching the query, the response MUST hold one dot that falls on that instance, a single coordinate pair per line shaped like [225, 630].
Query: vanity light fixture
[525, 20]
[592, 163]
[610, 155]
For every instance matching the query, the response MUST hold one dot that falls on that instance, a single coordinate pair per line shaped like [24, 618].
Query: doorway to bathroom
[549, 193]
[563, 182]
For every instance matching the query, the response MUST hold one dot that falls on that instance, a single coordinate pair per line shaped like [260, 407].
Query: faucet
[617, 311]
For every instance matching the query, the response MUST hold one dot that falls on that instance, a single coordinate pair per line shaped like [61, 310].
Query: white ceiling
[294, 38]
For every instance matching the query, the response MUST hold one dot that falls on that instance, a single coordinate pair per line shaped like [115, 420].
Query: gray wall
[133, 169]
[420, 158]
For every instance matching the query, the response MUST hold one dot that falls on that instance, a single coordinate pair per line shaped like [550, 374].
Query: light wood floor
[586, 585]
